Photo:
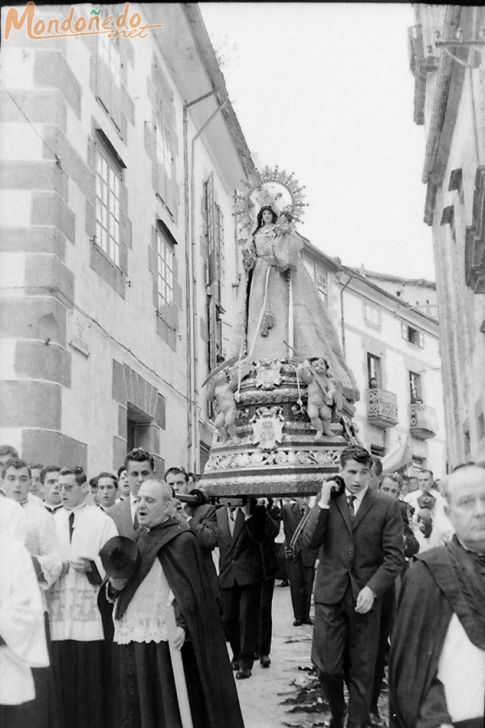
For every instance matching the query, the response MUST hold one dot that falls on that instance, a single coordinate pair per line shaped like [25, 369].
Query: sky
[324, 91]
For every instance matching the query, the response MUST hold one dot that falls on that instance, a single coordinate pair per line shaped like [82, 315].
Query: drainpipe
[342, 315]
[191, 278]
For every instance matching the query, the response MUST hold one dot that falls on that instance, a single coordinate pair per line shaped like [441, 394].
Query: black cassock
[143, 686]
[443, 581]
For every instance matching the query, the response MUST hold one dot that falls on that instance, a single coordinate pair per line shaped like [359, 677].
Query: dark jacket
[411, 543]
[368, 552]
[240, 559]
[443, 581]
[204, 524]
[268, 548]
[292, 514]
[205, 648]
[121, 515]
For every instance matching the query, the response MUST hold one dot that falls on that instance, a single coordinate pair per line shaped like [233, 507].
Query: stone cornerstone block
[32, 240]
[39, 360]
[30, 404]
[48, 208]
[51, 69]
[33, 318]
[48, 272]
[53, 448]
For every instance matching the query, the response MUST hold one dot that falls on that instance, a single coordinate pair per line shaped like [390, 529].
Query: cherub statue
[324, 398]
[221, 390]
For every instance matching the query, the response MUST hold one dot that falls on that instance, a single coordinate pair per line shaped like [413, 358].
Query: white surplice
[41, 542]
[21, 624]
[72, 600]
[12, 519]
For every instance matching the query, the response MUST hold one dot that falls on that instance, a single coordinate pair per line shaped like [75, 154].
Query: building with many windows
[119, 161]
[393, 350]
[446, 58]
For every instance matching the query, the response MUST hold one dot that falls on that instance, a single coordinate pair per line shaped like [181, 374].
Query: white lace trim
[144, 630]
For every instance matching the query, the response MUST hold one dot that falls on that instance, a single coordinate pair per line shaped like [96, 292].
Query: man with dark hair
[107, 490]
[93, 491]
[270, 568]
[7, 452]
[437, 661]
[36, 484]
[52, 494]
[241, 530]
[78, 646]
[124, 488]
[139, 466]
[360, 536]
[200, 519]
[12, 518]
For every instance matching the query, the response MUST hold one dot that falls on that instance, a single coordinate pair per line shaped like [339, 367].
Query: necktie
[232, 519]
[350, 501]
[71, 524]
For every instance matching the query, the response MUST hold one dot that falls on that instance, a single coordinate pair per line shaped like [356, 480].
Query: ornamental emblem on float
[283, 399]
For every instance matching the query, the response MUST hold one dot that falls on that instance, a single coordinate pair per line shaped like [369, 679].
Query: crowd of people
[116, 611]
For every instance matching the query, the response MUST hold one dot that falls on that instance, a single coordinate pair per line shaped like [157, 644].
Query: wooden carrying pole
[178, 668]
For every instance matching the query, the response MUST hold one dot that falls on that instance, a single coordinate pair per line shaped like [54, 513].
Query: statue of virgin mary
[280, 315]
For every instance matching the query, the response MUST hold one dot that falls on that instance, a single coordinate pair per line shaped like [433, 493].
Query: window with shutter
[108, 179]
[108, 77]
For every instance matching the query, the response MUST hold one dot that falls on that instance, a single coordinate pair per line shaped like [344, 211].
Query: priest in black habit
[169, 653]
[437, 660]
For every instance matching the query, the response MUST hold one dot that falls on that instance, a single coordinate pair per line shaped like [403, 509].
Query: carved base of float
[275, 452]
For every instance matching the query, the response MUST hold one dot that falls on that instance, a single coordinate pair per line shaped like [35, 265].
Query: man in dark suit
[300, 562]
[270, 567]
[240, 533]
[139, 467]
[200, 519]
[360, 537]
[391, 484]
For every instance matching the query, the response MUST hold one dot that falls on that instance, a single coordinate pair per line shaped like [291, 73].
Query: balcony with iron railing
[423, 422]
[381, 408]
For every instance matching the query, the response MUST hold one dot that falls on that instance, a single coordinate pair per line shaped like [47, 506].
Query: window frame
[378, 369]
[165, 259]
[414, 378]
[108, 223]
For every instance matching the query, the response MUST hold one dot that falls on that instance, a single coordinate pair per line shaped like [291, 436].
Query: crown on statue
[273, 188]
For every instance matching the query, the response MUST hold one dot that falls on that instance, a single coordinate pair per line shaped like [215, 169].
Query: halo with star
[272, 187]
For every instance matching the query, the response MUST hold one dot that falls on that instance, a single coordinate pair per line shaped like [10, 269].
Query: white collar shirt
[358, 498]
[133, 506]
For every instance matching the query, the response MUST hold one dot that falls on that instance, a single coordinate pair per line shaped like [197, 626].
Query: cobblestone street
[284, 694]
[262, 695]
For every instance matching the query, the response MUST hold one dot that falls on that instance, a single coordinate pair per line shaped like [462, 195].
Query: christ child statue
[322, 395]
[221, 391]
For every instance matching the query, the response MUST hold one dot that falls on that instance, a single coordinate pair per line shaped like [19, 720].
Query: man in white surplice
[78, 647]
[22, 637]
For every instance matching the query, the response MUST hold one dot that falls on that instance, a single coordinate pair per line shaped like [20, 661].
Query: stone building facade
[393, 350]
[119, 158]
[446, 58]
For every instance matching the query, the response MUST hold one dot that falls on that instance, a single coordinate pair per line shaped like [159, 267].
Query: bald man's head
[465, 492]
[155, 503]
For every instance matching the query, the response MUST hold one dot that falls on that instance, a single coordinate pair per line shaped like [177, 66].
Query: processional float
[284, 398]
